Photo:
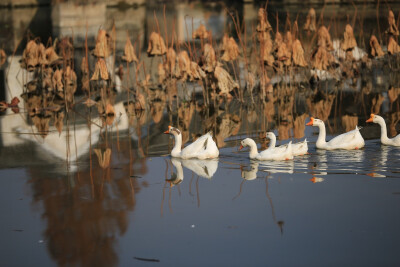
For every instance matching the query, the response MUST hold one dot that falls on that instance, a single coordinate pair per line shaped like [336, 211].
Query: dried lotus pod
[129, 53]
[264, 36]
[278, 40]
[393, 30]
[110, 114]
[225, 81]
[100, 70]
[376, 50]
[156, 45]
[349, 42]
[51, 55]
[324, 38]
[263, 24]
[284, 54]
[288, 40]
[70, 81]
[84, 66]
[266, 49]
[103, 44]
[311, 21]
[230, 48]
[393, 46]
[201, 33]
[42, 124]
[298, 54]
[209, 60]
[30, 56]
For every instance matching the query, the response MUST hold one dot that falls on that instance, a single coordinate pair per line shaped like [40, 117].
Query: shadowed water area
[86, 176]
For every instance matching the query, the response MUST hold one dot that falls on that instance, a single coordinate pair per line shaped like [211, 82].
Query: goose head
[374, 118]
[173, 131]
[245, 142]
[270, 135]
[315, 122]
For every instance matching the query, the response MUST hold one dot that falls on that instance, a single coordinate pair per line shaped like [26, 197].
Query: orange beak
[311, 122]
[371, 118]
[240, 148]
[313, 179]
[167, 131]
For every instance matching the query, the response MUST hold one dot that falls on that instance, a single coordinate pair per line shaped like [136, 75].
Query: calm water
[114, 197]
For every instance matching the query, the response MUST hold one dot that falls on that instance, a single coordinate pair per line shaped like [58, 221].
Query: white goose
[298, 149]
[395, 141]
[269, 154]
[349, 140]
[203, 148]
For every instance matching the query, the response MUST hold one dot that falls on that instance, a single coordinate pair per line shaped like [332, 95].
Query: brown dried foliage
[156, 45]
[311, 21]
[129, 52]
[230, 48]
[209, 58]
[100, 70]
[392, 30]
[376, 50]
[349, 42]
[393, 46]
[103, 44]
[324, 38]
[225, 81]
[201, 33]
[263, 24]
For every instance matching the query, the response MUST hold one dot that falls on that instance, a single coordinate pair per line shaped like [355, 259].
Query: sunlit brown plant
[263, 24]
[324, 38]
[156, 45]
[162, 74]
[322, 59]
[376, 50]
[85, 75]
[183, 67]
[393, 46]
[349, 42]
[209, 58]
[171, 61]
[100, 70]
[201, 33]
[103, 44]
[196, 72]
[51, 55]
[392, 30]
[225, 81]
[298, 54]
[129, 52]
[3, 57]
[230, 48]
[311, 21]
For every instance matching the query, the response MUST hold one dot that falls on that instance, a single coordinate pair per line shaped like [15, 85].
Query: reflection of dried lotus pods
[201, 33]
[42, 124]
[3, 57]
[298, 54]
[84, 66]
[264, 36]
[299, 126]
[110, 114]
[263, 24]
[183, 68]
[90, 102]
[103, 157]
[209, 58]
[376, 50]
[322, 59]
[266, 48]
[349, 42]
[13, 105]
[349, 122]
[59, 121]
[393, 94]
[57, 81]
[162, 75]
[129, 53]
[284, 54]
[85, 75]
[171, 60]
[392, 24]
[103, 47]
[100, 70]
[311, 22]
[70, 82]
[265, 83]
[278, 40]
[250, 81]
[157, 111]
[288, 40]
[393, 46]
[230, 48]
[324, 38]
[156, 45]
[376, 103]
[322, 107]
[225, 81]
[196, 72]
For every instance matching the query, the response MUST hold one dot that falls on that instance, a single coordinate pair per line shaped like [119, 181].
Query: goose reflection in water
[251, 174]
[201, 168]
[337, 161]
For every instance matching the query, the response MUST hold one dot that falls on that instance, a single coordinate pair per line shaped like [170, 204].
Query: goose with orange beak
[395, 141]
[270, 153]
[349, 140]
[203, 148]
